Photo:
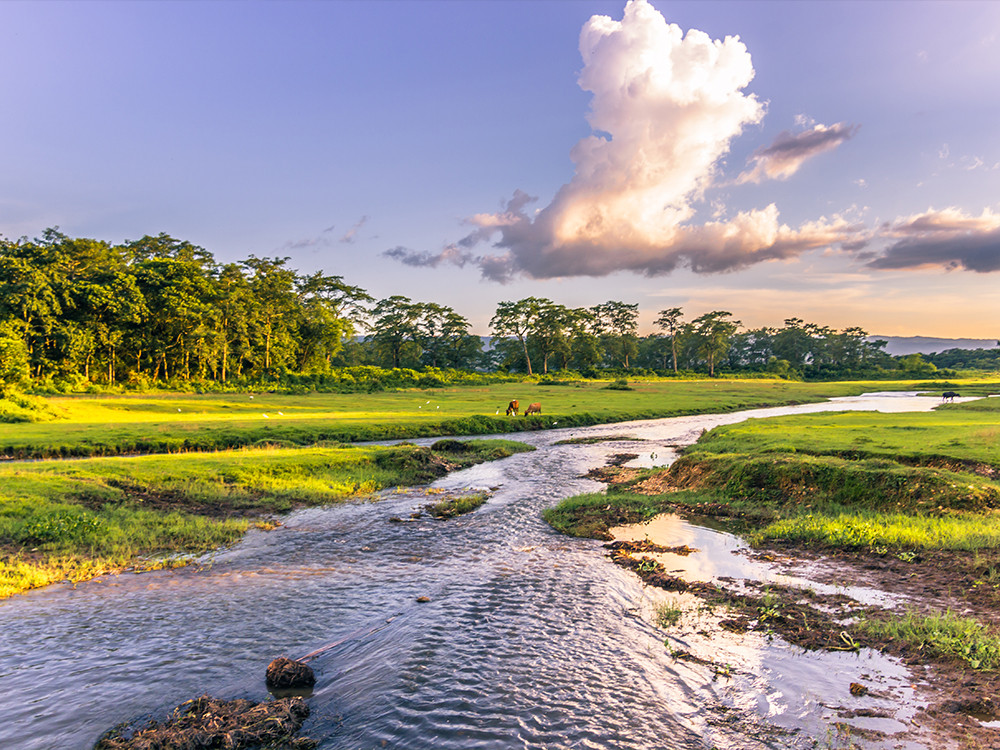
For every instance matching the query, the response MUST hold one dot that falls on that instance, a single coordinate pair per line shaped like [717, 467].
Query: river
[529, 639]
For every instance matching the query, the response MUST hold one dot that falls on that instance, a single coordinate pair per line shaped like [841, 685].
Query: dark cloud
[978, 252]
[790, 151]
[422, 259]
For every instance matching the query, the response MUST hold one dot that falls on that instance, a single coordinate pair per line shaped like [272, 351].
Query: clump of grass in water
[942, 635]
[456, 506]
[668, 615]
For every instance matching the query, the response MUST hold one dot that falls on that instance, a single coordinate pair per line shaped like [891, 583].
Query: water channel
[530, 639]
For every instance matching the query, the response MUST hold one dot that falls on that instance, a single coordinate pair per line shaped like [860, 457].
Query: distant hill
[899, 345]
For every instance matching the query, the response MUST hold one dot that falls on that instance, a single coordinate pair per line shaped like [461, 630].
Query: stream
[529, 639]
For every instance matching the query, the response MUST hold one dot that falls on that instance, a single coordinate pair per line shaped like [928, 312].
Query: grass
[165, 422]
[457, 506]
[668, 615]
[941, 635]
[76, 519]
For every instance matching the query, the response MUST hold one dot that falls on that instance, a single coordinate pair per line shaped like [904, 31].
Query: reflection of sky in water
[767, 675]
[721, 555]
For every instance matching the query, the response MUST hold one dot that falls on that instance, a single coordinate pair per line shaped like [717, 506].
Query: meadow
[95, 425]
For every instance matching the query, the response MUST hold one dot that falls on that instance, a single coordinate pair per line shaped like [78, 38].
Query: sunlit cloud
[665, 108]
[949, 238]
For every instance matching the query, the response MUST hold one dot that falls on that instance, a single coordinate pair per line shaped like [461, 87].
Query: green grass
[881, 532]
[941, 635]
[959, 432]
[668, 615]
[111, 425]
[74, 519]
[591, 515]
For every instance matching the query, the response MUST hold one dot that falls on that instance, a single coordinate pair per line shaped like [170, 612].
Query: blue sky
[839, 162]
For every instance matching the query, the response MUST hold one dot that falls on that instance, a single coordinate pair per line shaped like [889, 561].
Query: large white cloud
[666, 106]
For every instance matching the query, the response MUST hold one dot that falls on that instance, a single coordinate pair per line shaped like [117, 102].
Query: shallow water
[529, 640]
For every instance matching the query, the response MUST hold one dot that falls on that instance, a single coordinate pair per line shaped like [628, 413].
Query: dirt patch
[213, 723]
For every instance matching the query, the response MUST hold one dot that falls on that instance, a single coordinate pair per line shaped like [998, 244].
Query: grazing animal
[948, 396]
[535, 408]
[512, 408]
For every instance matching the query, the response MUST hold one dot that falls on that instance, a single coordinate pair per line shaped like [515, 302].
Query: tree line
[159, 309]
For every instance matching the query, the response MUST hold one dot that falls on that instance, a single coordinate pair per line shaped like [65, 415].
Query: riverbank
[907, 503]
[75, 520]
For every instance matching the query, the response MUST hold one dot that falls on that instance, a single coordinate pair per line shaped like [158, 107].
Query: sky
[837, 162]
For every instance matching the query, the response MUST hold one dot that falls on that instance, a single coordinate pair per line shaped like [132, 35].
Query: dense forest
[159, 310]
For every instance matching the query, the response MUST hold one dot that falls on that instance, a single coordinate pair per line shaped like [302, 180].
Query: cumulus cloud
[949, 238]
[782, 159]
[665, 107]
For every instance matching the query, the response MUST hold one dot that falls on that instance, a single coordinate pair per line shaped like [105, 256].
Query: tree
[273, 314]
[711, 333]
[517, 320]
[549, 336]
[617, 324]
[394, 330]
[13, 358]
[669, 321]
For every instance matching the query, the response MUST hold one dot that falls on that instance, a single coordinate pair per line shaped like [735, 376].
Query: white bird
[266, 417]
[178, 410]
[251, 395]
[428, 402]
[281, 413]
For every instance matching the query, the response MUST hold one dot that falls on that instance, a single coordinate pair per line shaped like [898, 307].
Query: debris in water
[207, 722]
[857, 689]
[423, 599]
[287, 673]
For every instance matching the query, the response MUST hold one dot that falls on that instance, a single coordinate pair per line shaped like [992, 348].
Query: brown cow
[512, 408]
[535, 408]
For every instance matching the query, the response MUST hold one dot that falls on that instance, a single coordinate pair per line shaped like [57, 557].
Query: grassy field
[855, 480]
[159, 423]
[75, 519]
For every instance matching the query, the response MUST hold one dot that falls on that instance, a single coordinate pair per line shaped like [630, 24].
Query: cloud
[350, 233]
[948, 238]
[421, 259]
[782, 159]
[665, 107]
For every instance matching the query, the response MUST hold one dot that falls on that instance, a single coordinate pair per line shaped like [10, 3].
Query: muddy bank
[206, 722]
[962, 703]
